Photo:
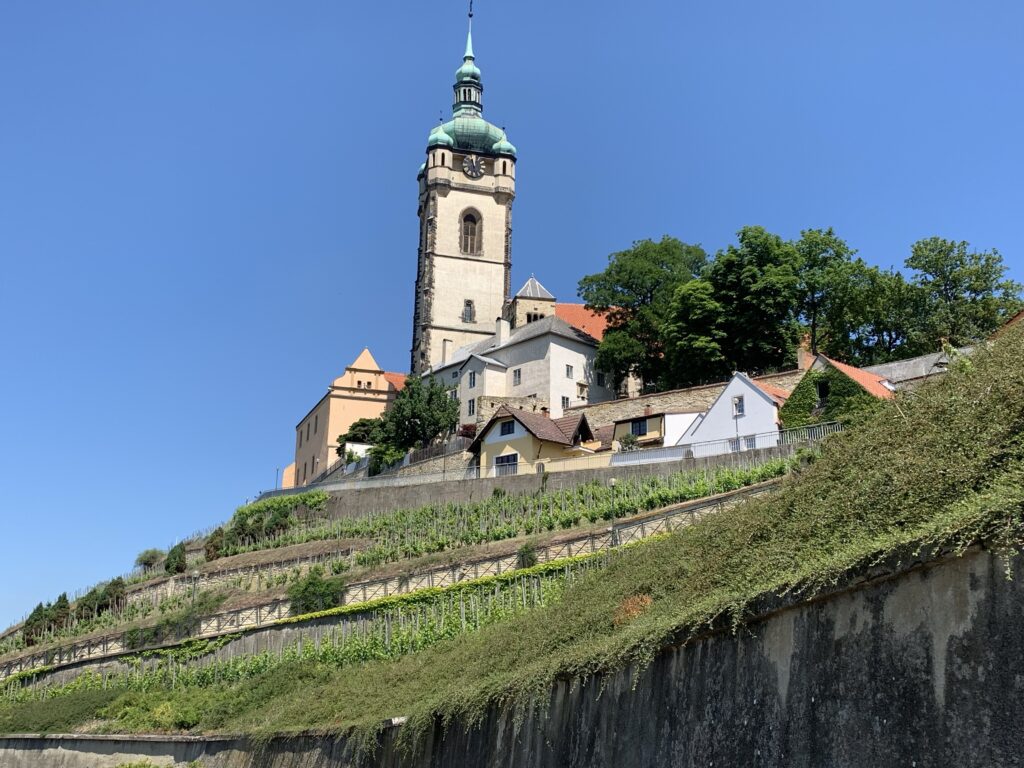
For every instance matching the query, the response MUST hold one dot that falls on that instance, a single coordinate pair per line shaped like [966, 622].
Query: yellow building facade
[363, 391]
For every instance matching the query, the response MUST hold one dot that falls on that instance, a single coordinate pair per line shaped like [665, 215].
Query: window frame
[471, 406]
[517, 377]
[506, 428]
[471, 243]
[739, 406]
[502, 465]
[638, 427]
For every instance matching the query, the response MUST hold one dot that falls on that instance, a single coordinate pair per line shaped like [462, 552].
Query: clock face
[473, 166]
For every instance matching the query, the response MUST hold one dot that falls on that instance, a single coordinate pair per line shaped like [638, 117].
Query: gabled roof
[605, 434]
[778, 394]
[532, 289]
[563, 431]
[487, 347]
[872, 383]
[587, 320]
[365, 361]
[396, 380]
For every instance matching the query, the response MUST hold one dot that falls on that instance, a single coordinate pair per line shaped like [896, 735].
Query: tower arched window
[468, 311]
[470, 240]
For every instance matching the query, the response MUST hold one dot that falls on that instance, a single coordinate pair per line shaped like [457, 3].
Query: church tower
[466, 188]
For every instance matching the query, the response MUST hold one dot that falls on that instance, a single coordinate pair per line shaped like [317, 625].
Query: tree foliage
[679, 319]
[635, 291]
[148, 558]
[361, 431]
[176, 562]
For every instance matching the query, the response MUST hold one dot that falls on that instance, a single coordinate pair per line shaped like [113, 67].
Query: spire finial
[469, 34]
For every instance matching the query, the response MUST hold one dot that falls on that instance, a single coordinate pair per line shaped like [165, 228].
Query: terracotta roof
[605, 434]
[1012, 321]
[561, 431]
[396, 380]
[586, 320]
[777, 394]
[871, 382]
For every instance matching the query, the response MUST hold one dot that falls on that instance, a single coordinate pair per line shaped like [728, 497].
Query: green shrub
[213, 547]
[148, 558]
[315, 593]
[526, 557]
[175, 562]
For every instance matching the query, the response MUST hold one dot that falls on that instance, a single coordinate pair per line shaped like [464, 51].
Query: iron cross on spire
[471, 9]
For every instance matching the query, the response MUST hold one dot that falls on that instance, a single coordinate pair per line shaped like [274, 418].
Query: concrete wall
[921, 667]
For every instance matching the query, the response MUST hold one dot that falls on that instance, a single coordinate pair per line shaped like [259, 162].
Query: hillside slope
[943, 466]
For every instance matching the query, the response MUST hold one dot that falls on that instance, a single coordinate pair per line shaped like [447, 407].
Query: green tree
[423, 411]
[966, 293]
[315, 593]
[694, 336]
[175, 562]
[361, 431]
[148, 558]
[825, 277]
[635, 291]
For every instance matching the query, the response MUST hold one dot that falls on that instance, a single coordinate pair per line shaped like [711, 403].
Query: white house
[543, 364]
[745, 416]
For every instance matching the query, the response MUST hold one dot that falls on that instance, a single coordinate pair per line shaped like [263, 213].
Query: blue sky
[208, 209]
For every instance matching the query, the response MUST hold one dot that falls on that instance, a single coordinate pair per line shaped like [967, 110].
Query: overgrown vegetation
[315, 593]
[260, 520]
[940, 467]
[846, 402]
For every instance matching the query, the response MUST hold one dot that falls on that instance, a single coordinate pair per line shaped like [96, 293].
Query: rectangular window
[581, 391]
[517, 377]
[455, 374]
[508, 427]
[471, 407]
[568, 371]
[472, 379]
[316, 423]
[565, 402]
[734, 444]
[453, 394]
[600, 379]
[307, 431]
[638, 427]
[750, 442]
[300, 437]
[506, 465]
[737, 405]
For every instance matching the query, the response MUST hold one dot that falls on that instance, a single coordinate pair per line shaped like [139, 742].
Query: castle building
[363, 391]
[466, 189]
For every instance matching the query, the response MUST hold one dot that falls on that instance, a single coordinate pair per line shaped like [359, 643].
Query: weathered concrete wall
[924, 668]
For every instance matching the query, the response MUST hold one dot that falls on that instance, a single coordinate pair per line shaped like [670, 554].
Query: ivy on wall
[847, 402]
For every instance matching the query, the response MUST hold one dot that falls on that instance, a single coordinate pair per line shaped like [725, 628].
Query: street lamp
[195, 581]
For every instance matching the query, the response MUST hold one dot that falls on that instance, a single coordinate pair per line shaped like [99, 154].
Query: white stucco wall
[760, 416]
[676, 425]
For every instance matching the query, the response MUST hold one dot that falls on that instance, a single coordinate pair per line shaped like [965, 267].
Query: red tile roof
[1011, 322]
[586, 320]
[872, 383]
[778, 394]
[396, 380]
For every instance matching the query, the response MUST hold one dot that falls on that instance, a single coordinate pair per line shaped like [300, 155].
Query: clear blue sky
[208, 209]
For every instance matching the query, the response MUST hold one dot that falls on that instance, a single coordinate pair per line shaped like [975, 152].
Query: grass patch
[943, 466]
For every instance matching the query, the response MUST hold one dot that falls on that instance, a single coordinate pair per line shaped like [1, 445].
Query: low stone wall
[923, 666]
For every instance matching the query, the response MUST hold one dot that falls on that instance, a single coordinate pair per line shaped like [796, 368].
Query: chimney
[501, 331]
[446, 350]
[804, 357]
[647, 410]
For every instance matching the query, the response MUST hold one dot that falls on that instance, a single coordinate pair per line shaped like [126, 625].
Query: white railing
[704, 450]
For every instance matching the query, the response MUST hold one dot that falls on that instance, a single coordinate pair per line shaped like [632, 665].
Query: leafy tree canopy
[148, 558]
[635, 290]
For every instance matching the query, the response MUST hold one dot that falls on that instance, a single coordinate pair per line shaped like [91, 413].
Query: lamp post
[195, 581]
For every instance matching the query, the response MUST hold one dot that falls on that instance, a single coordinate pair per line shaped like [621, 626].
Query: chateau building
[364, 390]
[466, 189]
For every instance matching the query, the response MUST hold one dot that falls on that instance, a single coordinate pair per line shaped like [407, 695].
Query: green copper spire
[467, 131]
